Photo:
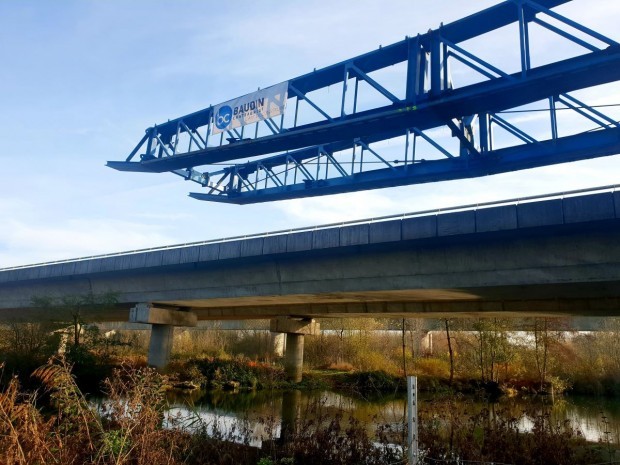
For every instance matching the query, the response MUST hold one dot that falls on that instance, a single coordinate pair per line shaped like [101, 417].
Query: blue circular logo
[223, 117]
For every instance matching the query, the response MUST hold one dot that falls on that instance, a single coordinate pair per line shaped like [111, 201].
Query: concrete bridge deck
[557, 255]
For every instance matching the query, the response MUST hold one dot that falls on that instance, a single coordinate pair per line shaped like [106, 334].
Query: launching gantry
[296, 139]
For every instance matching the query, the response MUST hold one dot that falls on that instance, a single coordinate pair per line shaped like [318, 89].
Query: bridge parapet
[484, 218]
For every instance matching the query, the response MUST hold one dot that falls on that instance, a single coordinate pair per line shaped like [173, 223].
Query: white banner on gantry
[257, 106]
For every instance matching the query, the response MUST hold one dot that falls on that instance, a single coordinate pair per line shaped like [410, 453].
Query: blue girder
[339, 142]
[566, 149]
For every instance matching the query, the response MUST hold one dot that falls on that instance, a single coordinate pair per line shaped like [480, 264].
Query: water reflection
[258, 416]
[273, 415]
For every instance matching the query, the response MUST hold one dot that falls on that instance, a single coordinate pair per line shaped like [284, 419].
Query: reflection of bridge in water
[265, 414]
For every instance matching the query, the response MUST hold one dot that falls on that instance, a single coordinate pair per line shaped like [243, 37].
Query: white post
[412, 419]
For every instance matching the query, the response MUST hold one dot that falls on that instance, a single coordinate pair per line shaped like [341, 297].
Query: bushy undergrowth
[237, 372]
[335, 441]
[71, 431]
[450, 433]
[24, 347]
[547, 358]
[128, 428]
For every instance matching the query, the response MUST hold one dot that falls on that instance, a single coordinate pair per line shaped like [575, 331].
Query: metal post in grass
[412, 419]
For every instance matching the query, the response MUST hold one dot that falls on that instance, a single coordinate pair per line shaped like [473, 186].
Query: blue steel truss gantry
[348, 142]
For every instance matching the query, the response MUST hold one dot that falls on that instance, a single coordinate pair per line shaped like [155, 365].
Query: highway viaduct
[553, 255]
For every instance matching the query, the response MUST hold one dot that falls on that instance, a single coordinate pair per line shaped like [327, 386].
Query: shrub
[248, 374]
[128, 430]
[26, 346]
[433, 367]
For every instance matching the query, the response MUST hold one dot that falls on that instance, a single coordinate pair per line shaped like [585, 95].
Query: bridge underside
[518, 301]
[592, 299]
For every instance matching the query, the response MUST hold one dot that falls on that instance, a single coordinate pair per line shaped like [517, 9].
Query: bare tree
[547, 333]
[450, 351]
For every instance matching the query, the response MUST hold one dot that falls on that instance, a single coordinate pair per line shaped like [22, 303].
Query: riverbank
[135, 425]
[479, 355]
[239, 373]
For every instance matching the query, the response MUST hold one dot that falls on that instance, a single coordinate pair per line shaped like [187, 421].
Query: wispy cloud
[30, 243]
[338, 207]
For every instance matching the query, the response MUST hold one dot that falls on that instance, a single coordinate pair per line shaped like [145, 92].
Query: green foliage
[310, 381]
[220, 373]
[85, 348]
[89, 369]
[493, 348]
[265, 461]
[542, 361]
[114, 443]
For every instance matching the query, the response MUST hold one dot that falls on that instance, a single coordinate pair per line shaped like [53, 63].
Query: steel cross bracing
[371, 135]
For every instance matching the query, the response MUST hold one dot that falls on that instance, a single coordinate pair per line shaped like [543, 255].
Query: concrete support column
[425, 343]
[295, 329]
[160, 346]
[294, 357]
[277, 345]
[429, 343]
[163, 321]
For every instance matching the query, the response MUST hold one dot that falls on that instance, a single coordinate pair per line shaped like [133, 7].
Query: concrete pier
[163, 321]
[160, 345]
[295, 330]
[294, 357]
[278, 343]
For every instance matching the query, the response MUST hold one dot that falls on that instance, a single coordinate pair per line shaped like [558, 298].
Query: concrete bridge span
[541, 256]
[557, 255]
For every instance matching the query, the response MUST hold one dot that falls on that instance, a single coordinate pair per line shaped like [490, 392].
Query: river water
[260, 415]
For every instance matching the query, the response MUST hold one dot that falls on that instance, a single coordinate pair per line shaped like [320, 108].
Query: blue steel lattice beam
[566, 149]
[492, 96]
[411, 48]
[429, 102]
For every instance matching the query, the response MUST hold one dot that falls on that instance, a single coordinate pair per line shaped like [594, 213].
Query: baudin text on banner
[250, 108]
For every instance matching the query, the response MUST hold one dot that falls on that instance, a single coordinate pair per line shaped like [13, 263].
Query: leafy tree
[88, 351]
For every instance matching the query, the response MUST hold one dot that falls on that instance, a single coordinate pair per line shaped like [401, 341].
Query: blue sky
[81, 80]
